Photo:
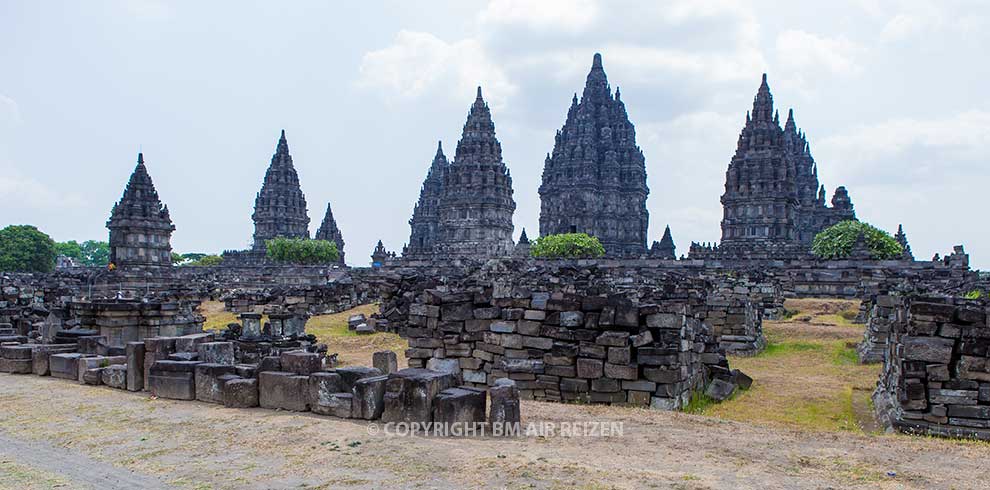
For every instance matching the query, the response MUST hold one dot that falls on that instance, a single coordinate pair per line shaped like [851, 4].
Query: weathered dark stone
[301, 362]
[504, 402]
[369, 398]
[459, 406]
[409, 394]
[283, 390]
[385, 361]
[209, 386]
[240, 393]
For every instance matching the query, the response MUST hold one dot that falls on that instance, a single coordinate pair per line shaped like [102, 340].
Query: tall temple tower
[425, 222]
[328, 231]
[280, 207]
[594, 182]
[476, 205]
[140, 226]
[774, 205]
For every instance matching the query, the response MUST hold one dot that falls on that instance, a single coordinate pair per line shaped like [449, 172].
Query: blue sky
[893, 97]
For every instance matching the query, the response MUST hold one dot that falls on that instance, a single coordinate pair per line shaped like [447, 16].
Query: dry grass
[21, 477]
[806, 377]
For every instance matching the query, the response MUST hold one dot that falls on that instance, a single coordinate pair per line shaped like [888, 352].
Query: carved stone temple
[425, 221]
[280, 206]
[594, 182]
[465, 207]
[140, 226]
[330, 232]
[773, 203]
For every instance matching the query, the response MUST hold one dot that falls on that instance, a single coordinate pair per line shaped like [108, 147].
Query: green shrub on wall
[301, 251]
[837, 241]
[567, 246]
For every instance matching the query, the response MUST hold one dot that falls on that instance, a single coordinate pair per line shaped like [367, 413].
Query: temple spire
[763, 102]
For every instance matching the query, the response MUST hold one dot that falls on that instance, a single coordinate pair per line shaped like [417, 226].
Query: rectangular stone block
[41, 355]
[134, 352]
[283, 390]
[589, 368]
[369, 398]
[174, 385]
[385, 361]
[240, 393]
[115, 376]
[409, 394]
[928, 349]
[322, 386]
[460, 406]
[209, 386]
[216, 353]
[351, 374]
[627, 372]
[301, 362]
[65, 366]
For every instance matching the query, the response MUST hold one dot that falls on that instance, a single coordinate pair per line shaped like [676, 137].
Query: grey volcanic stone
[351, 374]
[369, 398]
[209, 385]
[216, 353]
[504, 406]
[385, 361]
[283, 390]
[321, 386]
[115, 376]
[409, 394]
[301, 362]
[135, 366]
[240, 393]
[459, 405]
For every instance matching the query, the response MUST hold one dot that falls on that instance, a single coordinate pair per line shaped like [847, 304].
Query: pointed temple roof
[140, 201]
[596, 166]
[328, 231]
[426, 213]
[478, 143]
[522, 237]
[280, 206]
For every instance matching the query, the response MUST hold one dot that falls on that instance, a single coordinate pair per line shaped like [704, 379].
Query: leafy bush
[974, 294]
[567, 245]
[837, 241]
[24, 248]
[301, 251]
[204, 261]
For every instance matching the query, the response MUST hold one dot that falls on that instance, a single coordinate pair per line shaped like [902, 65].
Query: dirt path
[79, 470]
[197, 445]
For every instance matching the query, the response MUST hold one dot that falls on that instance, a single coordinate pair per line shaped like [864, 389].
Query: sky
[893, 96]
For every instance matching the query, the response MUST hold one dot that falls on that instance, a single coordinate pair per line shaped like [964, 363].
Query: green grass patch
[775, 348]
[699, 403]
[844, 355]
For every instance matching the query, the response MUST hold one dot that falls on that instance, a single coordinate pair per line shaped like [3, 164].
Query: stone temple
[425, 221]
[594, 182]
[140, 226]
[773, 203]
[280, 207]
[330, 232]
[465, 208]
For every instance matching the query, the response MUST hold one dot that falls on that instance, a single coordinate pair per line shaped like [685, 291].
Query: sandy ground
[197, 445]
[792, 431]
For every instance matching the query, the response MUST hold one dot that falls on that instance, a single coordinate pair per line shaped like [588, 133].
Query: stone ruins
[486, 323]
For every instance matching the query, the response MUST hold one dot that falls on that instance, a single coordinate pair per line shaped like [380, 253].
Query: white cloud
[21, 192]
[805, 52]
[557, 15]
[922, 146]
[418, 62]
[10, 113]
[646, 63]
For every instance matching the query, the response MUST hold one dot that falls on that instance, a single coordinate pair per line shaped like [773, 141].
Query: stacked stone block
[884, 311]
[563, 346]
[936, 374]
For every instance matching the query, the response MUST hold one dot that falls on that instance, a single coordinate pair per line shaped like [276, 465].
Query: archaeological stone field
[493, 329]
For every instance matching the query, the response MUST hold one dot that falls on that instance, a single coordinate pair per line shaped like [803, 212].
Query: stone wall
[936, 374]
[884, 311]
[568, 332]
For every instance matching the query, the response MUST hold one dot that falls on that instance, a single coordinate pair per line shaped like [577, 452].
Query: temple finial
[140, 157]
[479, 97]
[597, 61]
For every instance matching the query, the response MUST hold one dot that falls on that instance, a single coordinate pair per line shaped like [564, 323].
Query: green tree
[301, 251]
[567, 245]
[24, 248]
[838, 240]
[96, 253]
[70, 249]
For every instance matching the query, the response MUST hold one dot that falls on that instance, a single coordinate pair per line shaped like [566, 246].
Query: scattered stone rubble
[292, 375]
